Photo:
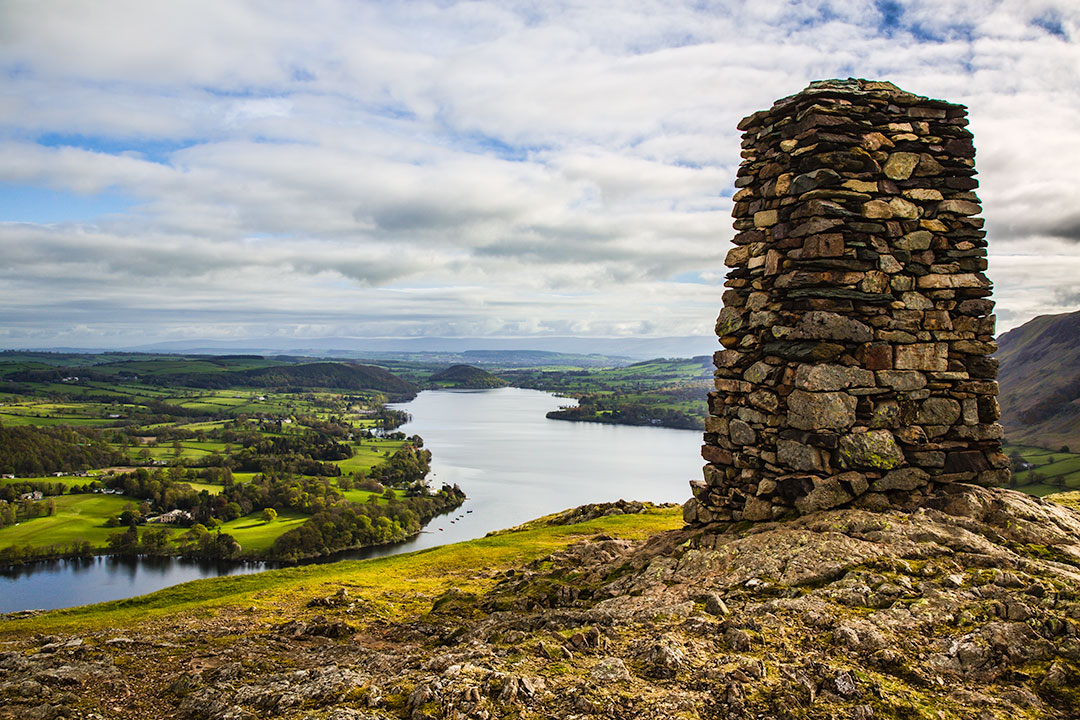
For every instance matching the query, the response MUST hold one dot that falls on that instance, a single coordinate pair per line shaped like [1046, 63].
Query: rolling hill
[1040, 381]
[466, 377]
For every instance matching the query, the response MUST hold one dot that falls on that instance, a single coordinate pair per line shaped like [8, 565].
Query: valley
[219, 457]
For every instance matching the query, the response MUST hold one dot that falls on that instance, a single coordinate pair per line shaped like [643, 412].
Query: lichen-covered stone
[874, 449]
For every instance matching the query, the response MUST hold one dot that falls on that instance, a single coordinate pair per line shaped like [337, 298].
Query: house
[36, 495]
[172, 517]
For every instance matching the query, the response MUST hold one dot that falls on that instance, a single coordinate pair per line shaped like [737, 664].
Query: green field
[391, 585]
[257, 535]
[65, 480]
[78, 517]
[368, 455]
[1054, 471]
[671, 393]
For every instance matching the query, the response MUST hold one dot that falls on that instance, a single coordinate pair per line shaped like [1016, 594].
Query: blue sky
[233, 170]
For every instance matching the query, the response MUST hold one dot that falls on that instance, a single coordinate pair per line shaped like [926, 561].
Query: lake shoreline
[514, 464]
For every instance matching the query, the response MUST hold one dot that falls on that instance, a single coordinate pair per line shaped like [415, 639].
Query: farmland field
[77, 517]
[162, 440]
[1049, 471]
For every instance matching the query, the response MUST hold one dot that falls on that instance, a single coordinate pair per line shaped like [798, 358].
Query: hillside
[1040, 381]
[669, 392]
[346, 376]
[466, 377]
[968, 609]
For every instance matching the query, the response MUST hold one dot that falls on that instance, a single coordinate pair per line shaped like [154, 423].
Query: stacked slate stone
[856, 323]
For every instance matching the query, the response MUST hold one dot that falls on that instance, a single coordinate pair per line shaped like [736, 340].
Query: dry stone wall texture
[857, 323]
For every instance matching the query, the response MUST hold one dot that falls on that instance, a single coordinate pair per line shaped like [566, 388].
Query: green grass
[66, 480]
[199, 487]
[1053, 466]
[255, 534]
[78, 517]
[18, 419]
[359, 496]
[368, 455]
[391, 586]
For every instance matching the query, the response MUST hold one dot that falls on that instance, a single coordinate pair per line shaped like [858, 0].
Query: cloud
[473, 168]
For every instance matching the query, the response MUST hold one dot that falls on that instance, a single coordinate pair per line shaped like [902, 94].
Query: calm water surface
[513, 463]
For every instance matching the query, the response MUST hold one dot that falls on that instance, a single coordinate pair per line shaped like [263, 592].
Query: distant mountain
[466, 377]
[338, 375]
[331, 375]
[635, 348]
[1040, 381]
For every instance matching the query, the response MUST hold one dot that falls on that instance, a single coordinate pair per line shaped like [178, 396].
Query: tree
[1065, 449]
[269, 514]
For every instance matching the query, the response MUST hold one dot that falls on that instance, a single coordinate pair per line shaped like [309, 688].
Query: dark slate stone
[843, 293]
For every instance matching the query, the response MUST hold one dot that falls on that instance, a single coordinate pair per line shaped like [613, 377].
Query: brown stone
[798, 456]
[902, 208]
[958, 280]
[716, 455]
[738, 255]
[821, 325]
[827, 377]
[902, 479]
[825, 245]
[902, 380]
[922, 356]
[928, 166]
[827, 493]
[819, 411]
[876, 356]
[959, 207]
[900, 165]
[765, 218]
[877, 210]
[741, 433]
[938, 411]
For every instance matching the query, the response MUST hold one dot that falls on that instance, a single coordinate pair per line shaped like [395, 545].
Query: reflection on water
[64, 583]
[514, 464]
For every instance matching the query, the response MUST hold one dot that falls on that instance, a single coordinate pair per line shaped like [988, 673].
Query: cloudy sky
[229, 170]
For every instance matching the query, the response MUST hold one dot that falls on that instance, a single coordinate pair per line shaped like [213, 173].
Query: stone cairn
[856, 323]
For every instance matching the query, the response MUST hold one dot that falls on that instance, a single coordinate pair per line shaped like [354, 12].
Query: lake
[513, 463]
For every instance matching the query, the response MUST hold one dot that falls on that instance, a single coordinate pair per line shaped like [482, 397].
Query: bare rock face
[856, 323]
[967, 606]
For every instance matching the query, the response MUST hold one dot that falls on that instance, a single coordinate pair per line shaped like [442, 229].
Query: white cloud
[474, 167]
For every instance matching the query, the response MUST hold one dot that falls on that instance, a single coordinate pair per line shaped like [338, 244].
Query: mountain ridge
[1039, 380]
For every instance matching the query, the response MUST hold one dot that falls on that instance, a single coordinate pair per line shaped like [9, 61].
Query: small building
[173, 517]
[36, 495]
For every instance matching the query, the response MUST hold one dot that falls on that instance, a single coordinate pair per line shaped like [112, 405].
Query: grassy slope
[254, 533]
[391, 586]
[1054, 466]
[78, 517]
[1040, 381]
[678, 384]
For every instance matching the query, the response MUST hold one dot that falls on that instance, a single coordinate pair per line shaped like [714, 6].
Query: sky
[225, 170]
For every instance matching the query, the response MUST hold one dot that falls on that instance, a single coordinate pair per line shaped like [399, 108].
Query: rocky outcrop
[856, 324]
[966, 607]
